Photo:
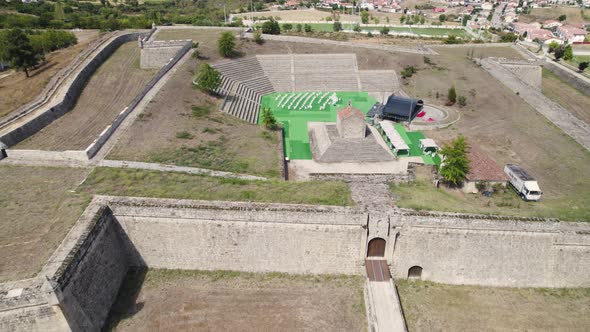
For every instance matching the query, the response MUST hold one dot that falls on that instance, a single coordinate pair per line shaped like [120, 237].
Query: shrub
[452, 96]
[271, 27]
[583, 65]
[369, 34]
[408, 71]
[462, 101]
[384, 30]
[298, 27]
[307, 28]
[258, 37]
[268, 119]
[356, 28]
[184, 135]
[226, 44]
[427, 60]
[568, 53]
[337, 26]
[208, 78]
[287, 26]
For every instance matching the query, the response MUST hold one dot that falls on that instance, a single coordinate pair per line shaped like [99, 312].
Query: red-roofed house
[482, 169]
[571, 34]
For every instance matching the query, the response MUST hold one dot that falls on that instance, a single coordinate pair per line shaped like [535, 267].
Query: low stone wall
[568, 77]
[93, 148]
[71, 96]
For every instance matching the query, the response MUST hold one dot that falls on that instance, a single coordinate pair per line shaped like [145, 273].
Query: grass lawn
[37, 209]
[431, 306]
[181, 300]
[422, 195]
[142, 183]
[295, 120]
[329, 27]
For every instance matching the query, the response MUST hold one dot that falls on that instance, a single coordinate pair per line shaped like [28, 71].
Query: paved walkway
[390, 48]
[172, 168]
[570, 124]
[385, 309]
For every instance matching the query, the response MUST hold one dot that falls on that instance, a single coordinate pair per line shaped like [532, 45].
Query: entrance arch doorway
[415, 272]
[376, 247]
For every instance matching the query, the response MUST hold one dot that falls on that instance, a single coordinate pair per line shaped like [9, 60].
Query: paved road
[385, 307]
[497, 15]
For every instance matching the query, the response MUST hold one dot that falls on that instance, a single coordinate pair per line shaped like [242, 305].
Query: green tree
[562, 18]
[356, 28]
[20, 51]
[384, 30]
[287, 26]
[422, 19]
[364, 17]
[268, 119]
[568, 53]
[402, 19]
[271, 27]
[559, 52]
[208, 78]
[455, 165]
[226, 44]
[337, 26]
[298, 27]
[508, 38]
[307, 28]
[462, 101]
[553, 46]
[452, 95]
[442, 17]
[583, 65]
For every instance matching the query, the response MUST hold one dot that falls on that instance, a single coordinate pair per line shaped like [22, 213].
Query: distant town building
[571, 34]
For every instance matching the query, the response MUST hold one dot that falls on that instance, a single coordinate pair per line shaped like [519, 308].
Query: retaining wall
[73, 92]
[93, 148]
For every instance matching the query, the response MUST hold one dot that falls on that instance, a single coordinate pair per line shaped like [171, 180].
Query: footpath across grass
[144, 183]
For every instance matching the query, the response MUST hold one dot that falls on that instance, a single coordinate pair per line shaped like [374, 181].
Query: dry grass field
[173, 300]
[509, 130]
[573, 14]
[37, 209]
[566, 95]
[114, 84]
[17, 90]
[438, 307]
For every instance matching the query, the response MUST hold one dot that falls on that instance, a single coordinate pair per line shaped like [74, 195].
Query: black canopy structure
[400, 108]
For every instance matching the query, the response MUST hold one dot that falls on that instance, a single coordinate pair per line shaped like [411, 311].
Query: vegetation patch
[143, 183]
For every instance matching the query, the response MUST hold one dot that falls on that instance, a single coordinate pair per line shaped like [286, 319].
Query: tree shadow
[44, 67]
[126, 304]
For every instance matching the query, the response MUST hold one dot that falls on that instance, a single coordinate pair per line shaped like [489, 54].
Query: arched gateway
[376, 247]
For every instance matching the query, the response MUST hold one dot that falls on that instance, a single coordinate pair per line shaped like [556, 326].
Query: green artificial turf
[295, 121]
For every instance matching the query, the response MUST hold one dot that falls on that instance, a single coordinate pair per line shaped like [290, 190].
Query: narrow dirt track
[114, 84]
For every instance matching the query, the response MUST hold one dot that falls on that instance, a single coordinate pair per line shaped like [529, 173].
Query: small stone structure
[351, 123]
[347, 140]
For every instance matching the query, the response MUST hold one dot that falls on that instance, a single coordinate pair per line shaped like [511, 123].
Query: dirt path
[115, 83]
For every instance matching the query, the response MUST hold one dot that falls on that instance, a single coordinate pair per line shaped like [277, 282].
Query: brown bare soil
[213, 139]
[37, 209]
[112, 87]
[172, 300]
[501, 123]
[438, 307]
[573, 14]
[17, 90]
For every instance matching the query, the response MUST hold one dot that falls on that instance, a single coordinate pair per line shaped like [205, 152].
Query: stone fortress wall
[81, 280]
[73, 91]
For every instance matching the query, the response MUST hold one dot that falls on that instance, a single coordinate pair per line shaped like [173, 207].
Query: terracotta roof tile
[349, 111]
[482, 167]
